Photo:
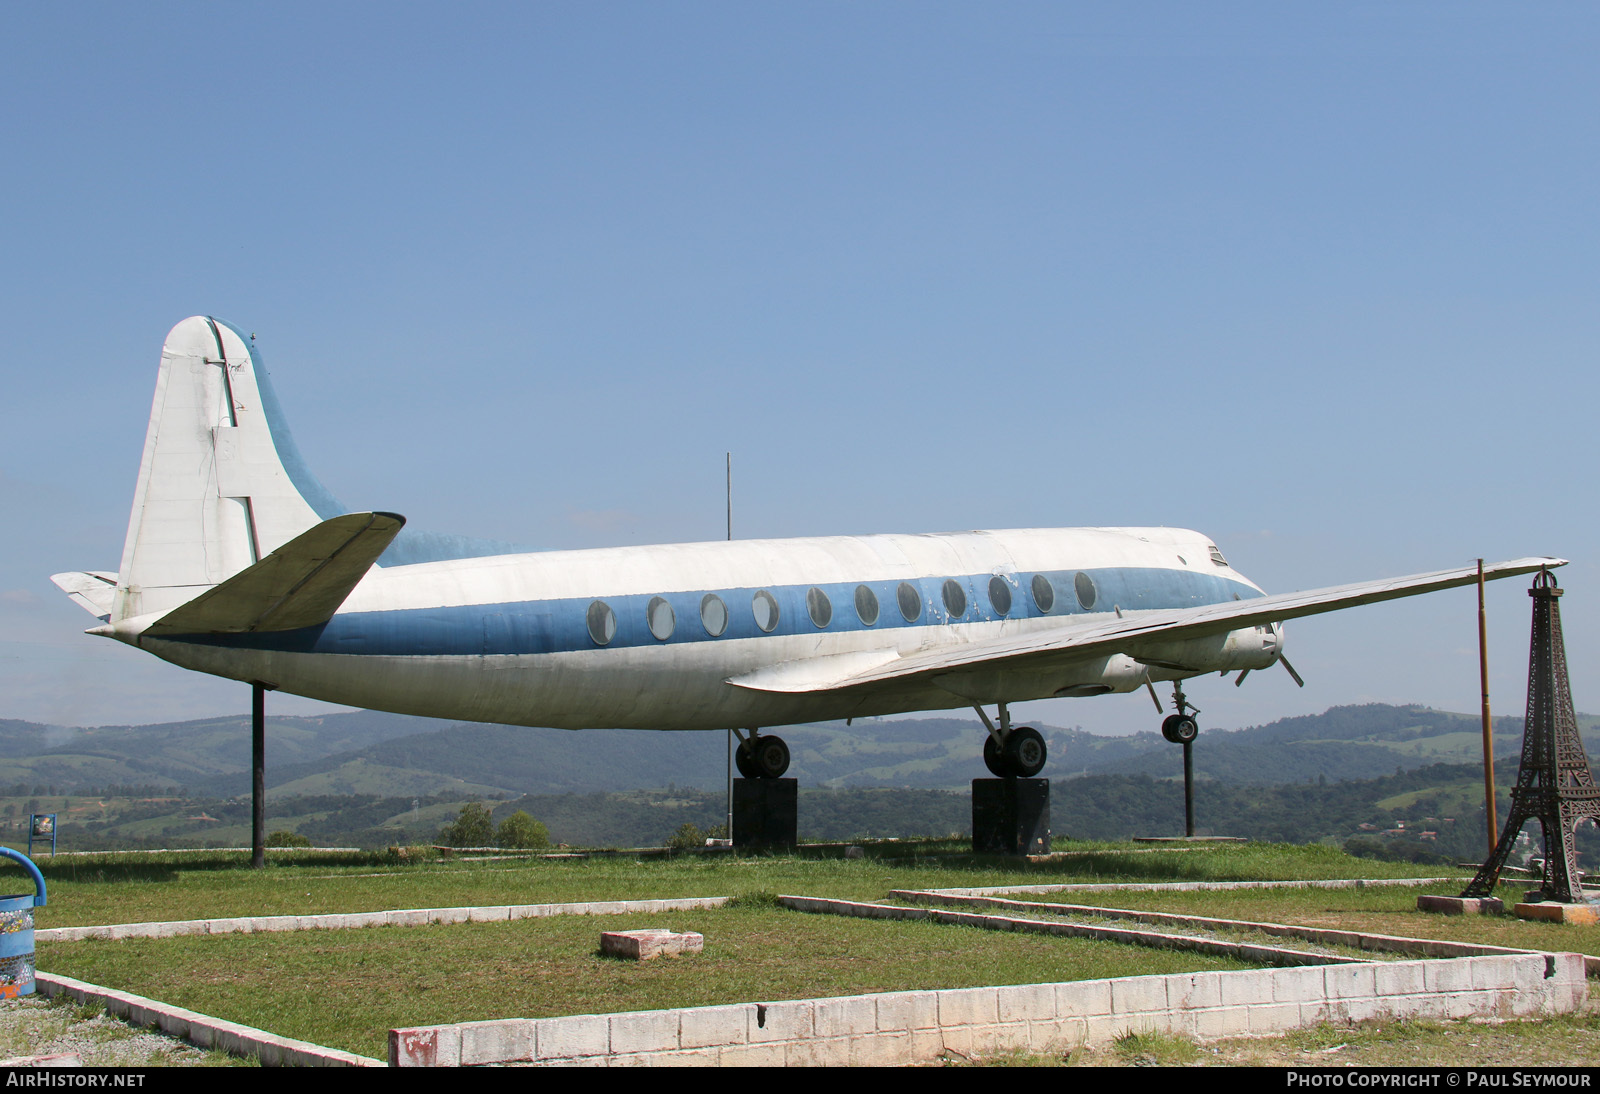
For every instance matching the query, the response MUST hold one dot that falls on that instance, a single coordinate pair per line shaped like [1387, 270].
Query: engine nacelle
[1255, 647]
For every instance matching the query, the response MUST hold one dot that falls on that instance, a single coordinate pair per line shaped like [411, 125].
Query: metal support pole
[1188, 788]
[258, 776]
[1488, 735]
[729, 802]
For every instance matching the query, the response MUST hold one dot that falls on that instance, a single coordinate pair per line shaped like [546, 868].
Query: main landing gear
[1012, 753]
[759, 757]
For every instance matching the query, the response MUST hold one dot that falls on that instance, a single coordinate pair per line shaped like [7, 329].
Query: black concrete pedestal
[764, 814]
[1011, 816]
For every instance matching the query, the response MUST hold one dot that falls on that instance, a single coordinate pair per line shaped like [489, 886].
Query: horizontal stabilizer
[94, 591]
[301, 584]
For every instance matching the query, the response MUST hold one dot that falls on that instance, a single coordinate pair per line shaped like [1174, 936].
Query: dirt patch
[34, 1026]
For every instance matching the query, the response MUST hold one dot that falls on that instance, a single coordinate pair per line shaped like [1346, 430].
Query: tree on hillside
[522, 832]
[473, 827]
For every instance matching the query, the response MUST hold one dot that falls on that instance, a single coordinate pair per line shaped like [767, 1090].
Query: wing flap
[814, 673]
[301, 584]
[1081, 639]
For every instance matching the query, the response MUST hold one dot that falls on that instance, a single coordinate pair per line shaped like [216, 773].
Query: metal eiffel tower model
[1554, 784]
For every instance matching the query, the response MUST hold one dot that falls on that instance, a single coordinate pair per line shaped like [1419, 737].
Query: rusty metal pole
[1488, 734]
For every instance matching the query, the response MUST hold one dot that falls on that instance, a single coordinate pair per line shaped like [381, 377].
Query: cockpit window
[1216, 555]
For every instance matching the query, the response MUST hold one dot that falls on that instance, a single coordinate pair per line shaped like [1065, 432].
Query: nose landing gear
[1182, 729]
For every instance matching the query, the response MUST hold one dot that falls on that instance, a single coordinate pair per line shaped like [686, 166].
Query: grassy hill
[392, 756]
[181, 754]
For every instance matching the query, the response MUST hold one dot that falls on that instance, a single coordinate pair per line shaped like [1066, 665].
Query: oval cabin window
[1000, 595]
[955, 598]
[602, 622]
[866, 605]
[910, 601]
[819, 607]
[713, 614]
[1044, 594]
[1083, 585]
[659, 615]
[764, 606]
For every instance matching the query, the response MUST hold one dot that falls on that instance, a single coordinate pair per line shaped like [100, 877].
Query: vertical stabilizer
[221, 484]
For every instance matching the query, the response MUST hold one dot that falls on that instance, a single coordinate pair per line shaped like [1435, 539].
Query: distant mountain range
[366, 752]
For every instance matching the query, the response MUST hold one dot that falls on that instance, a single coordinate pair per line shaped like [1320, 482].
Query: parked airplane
[239, 563]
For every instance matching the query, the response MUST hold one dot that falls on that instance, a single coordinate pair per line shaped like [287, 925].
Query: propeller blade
[1242, 674]
[1285, 662]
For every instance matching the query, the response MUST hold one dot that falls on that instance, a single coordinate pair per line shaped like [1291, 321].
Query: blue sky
[1319, 280]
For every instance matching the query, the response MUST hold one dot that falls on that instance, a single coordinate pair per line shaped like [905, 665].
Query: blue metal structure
[16, 931]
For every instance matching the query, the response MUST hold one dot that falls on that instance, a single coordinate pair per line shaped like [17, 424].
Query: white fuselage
[650, 637]
[238, 562]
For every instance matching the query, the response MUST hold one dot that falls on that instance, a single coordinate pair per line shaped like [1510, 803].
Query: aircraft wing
[301, 584]
[1082, 639]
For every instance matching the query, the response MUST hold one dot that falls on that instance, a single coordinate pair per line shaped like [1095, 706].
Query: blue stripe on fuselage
[559, 626]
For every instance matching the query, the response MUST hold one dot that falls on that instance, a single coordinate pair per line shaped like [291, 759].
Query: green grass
[1377, 909]
[1153, 1049]
[348, 988]
[1454, 799]
[1242, 936]
[1568, 1040]
[204, 885]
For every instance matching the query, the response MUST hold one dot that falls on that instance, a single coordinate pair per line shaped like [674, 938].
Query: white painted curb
[203, 1030]
[404, 917]
[912, 1026]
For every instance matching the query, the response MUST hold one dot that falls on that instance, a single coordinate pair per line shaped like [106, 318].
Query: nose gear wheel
[1179, 728]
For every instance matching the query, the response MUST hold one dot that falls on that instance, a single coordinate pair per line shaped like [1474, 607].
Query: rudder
[221, 484]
